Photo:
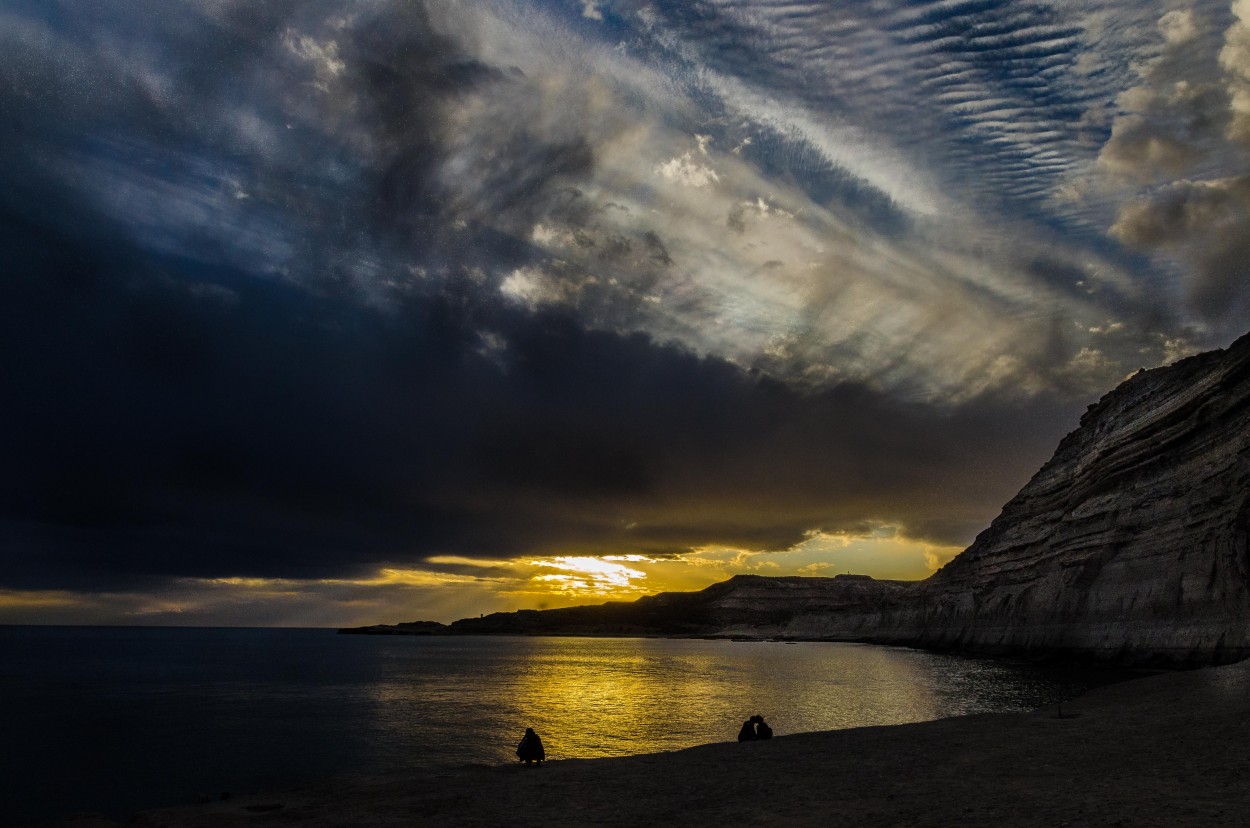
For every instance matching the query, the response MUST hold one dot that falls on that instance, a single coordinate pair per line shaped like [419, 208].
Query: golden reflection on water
[633, 693]
[270, 709]
[596, 697]
[473, 698]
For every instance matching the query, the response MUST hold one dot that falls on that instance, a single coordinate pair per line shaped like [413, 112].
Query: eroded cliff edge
[1130, 546]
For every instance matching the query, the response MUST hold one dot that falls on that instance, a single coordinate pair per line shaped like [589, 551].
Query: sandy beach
[1170, 749]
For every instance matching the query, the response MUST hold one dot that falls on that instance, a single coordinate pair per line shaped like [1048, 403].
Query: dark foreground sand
[1168, 750]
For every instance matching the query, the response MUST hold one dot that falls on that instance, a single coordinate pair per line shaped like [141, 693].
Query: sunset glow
[352, 311]
[589, 576]
[446, 588]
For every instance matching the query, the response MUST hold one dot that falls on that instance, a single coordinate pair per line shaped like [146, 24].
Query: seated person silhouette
[531, 747]
[762, 730]
[747, 733]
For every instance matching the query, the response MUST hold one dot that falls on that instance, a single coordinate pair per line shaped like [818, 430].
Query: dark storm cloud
[308, 132]
[252, 322]
[165, 391]
[165, 430]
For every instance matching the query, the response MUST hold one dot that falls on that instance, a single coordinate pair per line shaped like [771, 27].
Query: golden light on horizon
[14, 599]
[587, 575]
[449, 587]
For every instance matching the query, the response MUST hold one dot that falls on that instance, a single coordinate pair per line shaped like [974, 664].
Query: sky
[331, 313]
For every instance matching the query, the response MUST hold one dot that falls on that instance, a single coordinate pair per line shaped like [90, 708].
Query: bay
[116, 719]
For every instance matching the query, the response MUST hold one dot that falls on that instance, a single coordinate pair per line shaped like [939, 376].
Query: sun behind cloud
[588, 575]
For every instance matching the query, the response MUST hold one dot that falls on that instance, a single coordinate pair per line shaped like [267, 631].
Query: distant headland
[1131, 545]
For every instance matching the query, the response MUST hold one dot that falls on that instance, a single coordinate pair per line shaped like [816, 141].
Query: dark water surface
[117, 719]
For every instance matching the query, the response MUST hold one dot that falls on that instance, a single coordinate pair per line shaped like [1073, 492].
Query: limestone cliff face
[1132, 544]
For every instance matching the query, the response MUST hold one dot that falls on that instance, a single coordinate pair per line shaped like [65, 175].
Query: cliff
[1131, 545]
[745, 605]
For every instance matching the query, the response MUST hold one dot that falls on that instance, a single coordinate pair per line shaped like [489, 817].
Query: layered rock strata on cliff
[1132, 544]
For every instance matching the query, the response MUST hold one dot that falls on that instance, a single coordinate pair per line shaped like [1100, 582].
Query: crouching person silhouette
[762, 730]
[531, 748]
[747, 733]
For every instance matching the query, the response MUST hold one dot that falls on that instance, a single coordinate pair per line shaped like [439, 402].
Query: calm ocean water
[117, 719]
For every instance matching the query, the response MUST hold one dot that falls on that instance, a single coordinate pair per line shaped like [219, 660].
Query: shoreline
[1109, 659]
[1165, 749]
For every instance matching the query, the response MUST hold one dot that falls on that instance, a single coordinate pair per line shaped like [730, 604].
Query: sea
[116, 719]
